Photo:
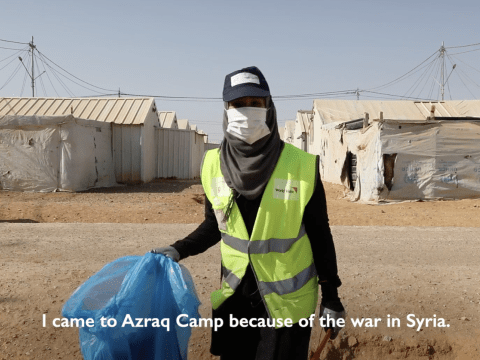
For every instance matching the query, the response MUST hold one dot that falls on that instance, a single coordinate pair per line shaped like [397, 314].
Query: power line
[48, 76]
[175, 97]
[89, 96]
[59, 73]
[397, 96]
[458, 73]
[468, 78]
[419, 80]
[24, 78]
[464, 62]
[15, 42]
[54, 73]
[313, 94]
[343, 95]
[437, 70]
[71, 73]
[428, 76]
[1, 47]
[218, 99]
[41, 79]
[463, 52]
[389, 83]
[8, 64]
[461, 46]
[11, 76]
[8, 57]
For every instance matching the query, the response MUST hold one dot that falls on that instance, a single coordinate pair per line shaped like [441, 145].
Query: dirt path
[424, 271]
[176, 201]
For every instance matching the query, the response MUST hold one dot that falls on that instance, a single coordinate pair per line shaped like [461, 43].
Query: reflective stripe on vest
[280, 287]
[230, 278]
[262, 246]
[288, 286]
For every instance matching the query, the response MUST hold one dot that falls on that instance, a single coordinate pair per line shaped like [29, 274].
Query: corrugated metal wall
[127, 153]
[173, 153]
[179, 153]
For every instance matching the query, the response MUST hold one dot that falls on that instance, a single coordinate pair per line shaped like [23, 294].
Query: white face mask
[247, 123]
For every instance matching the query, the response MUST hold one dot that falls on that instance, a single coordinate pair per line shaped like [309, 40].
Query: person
[266, 203]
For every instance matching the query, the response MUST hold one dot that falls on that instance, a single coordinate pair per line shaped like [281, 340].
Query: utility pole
[358, 93]
[442, 54]
[32, 75]
[32, 47]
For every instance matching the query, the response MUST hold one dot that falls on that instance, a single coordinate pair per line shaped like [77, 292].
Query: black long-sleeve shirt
[315, 219]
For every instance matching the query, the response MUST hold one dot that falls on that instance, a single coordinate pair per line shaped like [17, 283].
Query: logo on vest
[286, 189]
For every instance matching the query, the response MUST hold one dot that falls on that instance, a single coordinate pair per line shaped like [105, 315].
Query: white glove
[332, 315]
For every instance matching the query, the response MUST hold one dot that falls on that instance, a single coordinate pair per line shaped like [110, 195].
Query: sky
[185, 49]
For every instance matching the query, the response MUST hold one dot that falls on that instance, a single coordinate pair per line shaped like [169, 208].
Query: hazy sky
[185, 48]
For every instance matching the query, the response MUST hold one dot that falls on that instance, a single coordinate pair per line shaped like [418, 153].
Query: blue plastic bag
[131, 288]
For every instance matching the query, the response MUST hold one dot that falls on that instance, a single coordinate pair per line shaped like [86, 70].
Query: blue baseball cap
[245, 82]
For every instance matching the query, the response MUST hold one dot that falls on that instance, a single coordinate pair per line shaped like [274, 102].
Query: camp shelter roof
[127, 111]
[304, 118]
[451, 108]
[335, 111]
[168, 119]
[183, 124]
[193, 127]
[346, 110]
[33, 121]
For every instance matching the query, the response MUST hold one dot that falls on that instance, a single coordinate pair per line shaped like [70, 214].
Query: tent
[133, 122]
[400, 150]
[302, 136]
[289, 132]
[55, 153]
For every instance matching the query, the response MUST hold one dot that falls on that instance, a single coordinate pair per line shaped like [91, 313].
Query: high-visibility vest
[278, 249]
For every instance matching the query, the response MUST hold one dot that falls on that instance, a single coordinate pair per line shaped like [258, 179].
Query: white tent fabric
[440, 160]
[398, 160]
[52, 153]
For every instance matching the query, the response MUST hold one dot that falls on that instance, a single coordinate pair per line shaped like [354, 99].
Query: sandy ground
[418, 258]
[170, 201]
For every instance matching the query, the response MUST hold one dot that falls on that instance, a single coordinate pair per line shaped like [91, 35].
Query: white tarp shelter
[133, 123]
[289, 132]
[406, 150]
[51, 153]
[303, 132]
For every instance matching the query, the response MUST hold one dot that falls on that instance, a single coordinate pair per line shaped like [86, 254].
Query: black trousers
[256, 343]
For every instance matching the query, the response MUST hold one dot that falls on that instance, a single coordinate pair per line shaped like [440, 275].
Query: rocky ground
[417, 258]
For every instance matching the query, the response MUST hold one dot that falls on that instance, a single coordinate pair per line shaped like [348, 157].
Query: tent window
[388, 165]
